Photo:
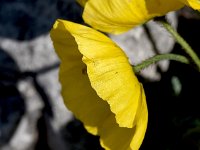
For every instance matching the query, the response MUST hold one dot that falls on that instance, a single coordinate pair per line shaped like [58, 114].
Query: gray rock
[24, 36]
[37, 56]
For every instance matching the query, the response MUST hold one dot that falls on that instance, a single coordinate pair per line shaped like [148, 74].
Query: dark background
[174, 119]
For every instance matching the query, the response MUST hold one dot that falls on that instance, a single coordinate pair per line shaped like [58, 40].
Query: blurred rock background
[32, 113]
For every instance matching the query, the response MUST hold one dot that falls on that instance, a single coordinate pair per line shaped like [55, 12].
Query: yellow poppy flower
[99, 86]
[117, 16]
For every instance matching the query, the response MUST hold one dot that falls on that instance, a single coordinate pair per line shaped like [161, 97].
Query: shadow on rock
[12, 105]
[28, 19]
[78, 138]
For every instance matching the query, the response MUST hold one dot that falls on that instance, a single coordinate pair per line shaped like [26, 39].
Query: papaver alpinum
[99, 86]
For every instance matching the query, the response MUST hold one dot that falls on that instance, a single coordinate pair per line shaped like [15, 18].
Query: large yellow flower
[117, 16]
[99, 86]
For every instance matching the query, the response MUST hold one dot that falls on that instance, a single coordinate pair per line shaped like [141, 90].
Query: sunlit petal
[115, 138]
[77, 92]
[117, 16]
[111, 77]
[110, 74]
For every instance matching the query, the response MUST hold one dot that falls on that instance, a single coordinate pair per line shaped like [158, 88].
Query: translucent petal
[141, 125]
[115, 138]
[117, 16]
[77, 92]
[82, 100]
[109, 72]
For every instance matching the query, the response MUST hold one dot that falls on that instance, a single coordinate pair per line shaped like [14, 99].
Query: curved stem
[157, 58]
[186, 47]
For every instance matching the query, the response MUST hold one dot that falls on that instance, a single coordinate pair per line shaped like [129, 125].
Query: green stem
[156, 58]
[186, 47]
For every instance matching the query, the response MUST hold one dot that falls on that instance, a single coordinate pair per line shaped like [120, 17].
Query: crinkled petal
[115, 138]
[83, 101]
[141, 125]
[195, 4]
[108, 69]
[77, 92]
[117, 16]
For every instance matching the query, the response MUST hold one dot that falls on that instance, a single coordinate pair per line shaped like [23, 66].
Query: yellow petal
[113, 79]
[108, 69]
[115, 138]
[82, 2]
[142, 119]
[74, 43]
[195, 4]
[117, 16]
[110, 74]
[77, 92]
